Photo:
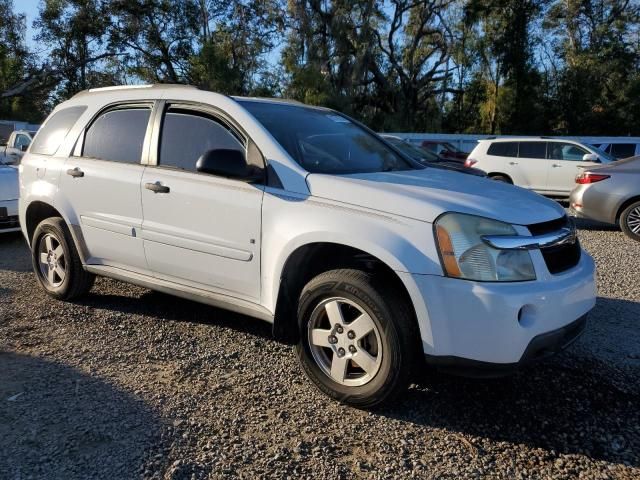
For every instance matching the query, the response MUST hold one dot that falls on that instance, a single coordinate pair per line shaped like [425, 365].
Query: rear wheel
[56, 262]
[501, 178]
[356, 345]
[630, 221]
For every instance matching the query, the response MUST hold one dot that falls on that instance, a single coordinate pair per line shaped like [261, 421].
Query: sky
[30, 8]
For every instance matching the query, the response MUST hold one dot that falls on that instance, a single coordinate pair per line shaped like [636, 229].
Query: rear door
[102, 183]
[565, 163]
[529, 168]
[201, 230]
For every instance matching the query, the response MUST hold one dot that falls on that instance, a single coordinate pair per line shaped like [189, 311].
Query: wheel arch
[311, 259]
[38, 210]
[500, 174]
[624, 205]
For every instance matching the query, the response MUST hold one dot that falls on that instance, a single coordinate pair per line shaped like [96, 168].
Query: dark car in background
[444, 149]
[429, 158]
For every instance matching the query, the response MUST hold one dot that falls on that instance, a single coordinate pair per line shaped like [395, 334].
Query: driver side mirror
[228, 163]
[590, 157]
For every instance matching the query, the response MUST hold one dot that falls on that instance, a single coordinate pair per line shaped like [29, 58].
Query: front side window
[623, 150]
[187, 135]
[117, 135]
[322, 141]
[566, 151]
[532, 150]
[55, 129]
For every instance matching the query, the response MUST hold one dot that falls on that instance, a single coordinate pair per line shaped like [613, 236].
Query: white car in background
[18, 143]
[546, 165]
[9, 193]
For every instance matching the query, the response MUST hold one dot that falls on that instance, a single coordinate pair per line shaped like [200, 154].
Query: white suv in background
[546, 165]
[366, 260]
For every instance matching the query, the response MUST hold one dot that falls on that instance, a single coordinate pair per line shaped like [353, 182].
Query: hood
[425, 194]
[9, 189]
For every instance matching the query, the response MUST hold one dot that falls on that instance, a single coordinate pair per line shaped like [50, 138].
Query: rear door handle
[556, 165]
[75, 172]
[157, 187]
[513, 163]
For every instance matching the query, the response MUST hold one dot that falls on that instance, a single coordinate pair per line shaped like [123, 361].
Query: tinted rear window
[533, 150]
[623, 150]
[503, 149]
[117, 135]
[54, 131]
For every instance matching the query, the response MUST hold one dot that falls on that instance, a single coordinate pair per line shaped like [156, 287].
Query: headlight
[465, 255]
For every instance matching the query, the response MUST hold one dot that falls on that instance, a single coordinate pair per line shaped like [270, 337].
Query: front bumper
[540, 347]
[498, 323]
[9, 222]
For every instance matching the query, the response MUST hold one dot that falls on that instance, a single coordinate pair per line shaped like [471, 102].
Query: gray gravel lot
[127, 383]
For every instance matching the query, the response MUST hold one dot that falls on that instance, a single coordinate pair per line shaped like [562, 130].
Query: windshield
[322, 141]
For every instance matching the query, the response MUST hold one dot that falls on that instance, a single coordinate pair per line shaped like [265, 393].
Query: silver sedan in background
[611, 194]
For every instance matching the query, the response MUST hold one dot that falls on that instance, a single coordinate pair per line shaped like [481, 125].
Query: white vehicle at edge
[9, 192]
[299, 216]
[545, 165]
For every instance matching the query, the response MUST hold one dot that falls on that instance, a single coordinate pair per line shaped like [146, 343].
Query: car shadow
[58, 422]
[573, 403]
[594, 225]
[168, 307]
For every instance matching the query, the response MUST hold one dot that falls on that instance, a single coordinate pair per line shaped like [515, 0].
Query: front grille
[563, 257]
[8, 222]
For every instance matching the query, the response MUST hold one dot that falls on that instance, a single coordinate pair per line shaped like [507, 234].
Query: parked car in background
[9, 193]
[546, 165]
[444, 149]
[428, 158]
[367, 261]
[12, 152]
[620, 149]
[610, 194]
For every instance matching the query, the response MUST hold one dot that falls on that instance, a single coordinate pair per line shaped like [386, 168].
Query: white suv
[302, 217]
[546, 165]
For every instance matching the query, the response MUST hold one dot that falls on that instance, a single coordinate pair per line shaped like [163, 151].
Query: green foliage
[475, 66]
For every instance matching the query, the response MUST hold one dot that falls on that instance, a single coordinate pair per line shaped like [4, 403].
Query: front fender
[290, 222]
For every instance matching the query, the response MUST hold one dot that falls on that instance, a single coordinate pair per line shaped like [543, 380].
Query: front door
[102, 184]
[565, 163]
[201, 230]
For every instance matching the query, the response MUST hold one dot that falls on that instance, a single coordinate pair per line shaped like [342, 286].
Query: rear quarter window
[53, 132]
[503, 149]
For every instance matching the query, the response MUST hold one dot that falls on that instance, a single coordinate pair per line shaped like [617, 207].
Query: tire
[338, 298]
[56, 262]
[501, 178]
[630, 221]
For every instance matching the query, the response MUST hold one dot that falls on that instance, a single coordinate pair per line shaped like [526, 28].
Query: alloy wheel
[633, 220]
[345, 341]
[52, 261]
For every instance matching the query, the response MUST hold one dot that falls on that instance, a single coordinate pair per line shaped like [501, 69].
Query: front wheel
[630, 221]
[356, 345]
[56, 262]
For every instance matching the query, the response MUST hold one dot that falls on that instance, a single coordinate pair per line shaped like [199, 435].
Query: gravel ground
[127, 383]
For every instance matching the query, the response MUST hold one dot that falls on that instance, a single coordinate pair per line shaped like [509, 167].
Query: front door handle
[75, 172]
[513, 163]
[157, 187]
[556, 165]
